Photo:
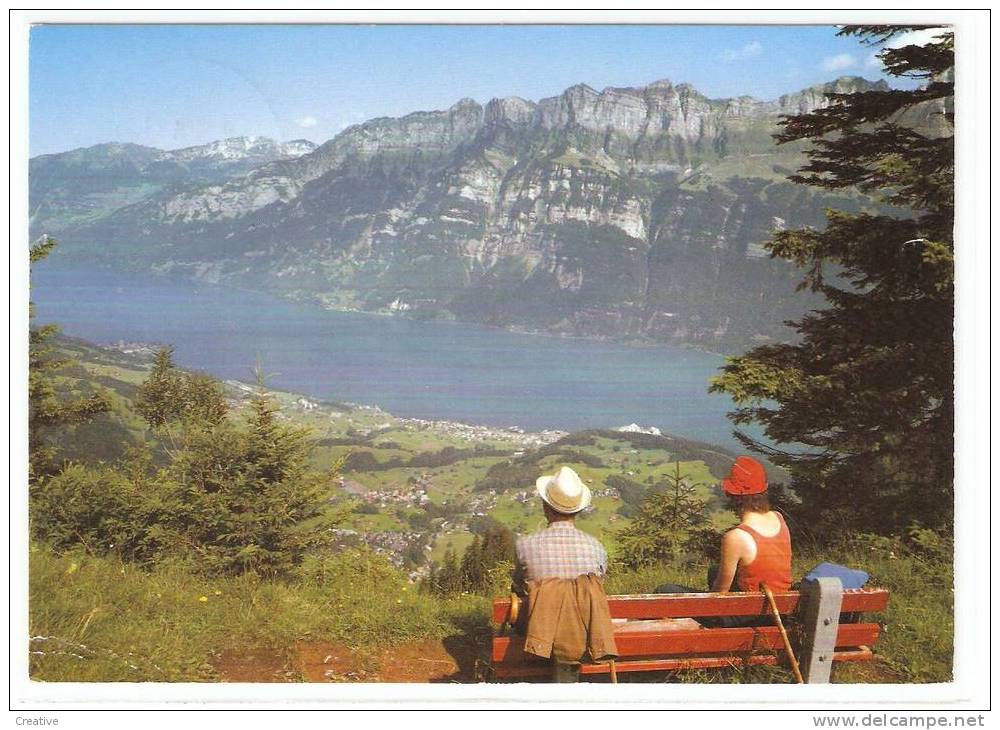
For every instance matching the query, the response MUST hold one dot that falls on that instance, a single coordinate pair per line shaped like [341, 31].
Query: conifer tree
[243, 492]
[666, 526]
[448, 578]
[498, 546]
[278, 451]
[46, 409]
[496, 550]
[169, 395]
[471, 570]
[867, 386]
[204, 398]
[159, 398]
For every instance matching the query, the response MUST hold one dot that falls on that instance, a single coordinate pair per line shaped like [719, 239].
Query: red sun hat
[746, 477]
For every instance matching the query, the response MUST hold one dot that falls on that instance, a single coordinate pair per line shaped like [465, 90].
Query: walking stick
[784, 636]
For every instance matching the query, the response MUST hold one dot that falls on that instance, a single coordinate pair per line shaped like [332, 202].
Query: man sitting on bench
[757, 551]
[568, 616]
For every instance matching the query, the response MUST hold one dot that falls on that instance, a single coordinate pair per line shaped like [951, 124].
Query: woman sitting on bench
[757, 551]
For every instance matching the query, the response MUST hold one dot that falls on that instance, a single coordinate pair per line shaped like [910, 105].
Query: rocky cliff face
[634, 212]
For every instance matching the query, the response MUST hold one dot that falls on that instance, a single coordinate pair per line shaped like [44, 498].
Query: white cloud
[751, 49]
[307, 122]
[838, 62]
[914, 38]
[910, 38]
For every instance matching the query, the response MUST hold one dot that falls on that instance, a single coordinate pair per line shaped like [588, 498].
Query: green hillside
[434, 484]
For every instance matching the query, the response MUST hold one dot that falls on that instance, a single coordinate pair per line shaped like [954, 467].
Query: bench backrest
[697, 605]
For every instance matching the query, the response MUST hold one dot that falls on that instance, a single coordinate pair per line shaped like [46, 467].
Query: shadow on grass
[469, 646]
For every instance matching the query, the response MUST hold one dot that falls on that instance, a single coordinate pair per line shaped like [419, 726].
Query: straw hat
[564, 492]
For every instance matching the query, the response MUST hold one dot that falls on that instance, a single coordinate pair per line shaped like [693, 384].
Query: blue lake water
[430, 370]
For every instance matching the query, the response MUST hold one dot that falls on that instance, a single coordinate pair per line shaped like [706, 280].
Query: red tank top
[772, 564]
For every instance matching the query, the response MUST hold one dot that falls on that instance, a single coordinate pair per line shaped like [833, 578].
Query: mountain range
[74, 188]
[632, 213]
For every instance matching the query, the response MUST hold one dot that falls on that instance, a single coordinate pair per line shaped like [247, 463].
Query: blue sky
[172, 86]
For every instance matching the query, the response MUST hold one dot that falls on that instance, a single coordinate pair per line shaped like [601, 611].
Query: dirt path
[454, 660]
[318, 661]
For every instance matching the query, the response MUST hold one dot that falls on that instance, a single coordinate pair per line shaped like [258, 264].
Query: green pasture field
[457, 541]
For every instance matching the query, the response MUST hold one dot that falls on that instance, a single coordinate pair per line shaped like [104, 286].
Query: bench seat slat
[680, 605]
[541, 668]
[510, 649]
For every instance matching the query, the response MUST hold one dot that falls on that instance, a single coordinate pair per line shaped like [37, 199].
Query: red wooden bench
[660, 632]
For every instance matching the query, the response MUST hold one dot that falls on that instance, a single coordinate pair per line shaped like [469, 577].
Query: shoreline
[311, 301]
[141, 353]
[459, 429]
[675, 404]
[472, 431]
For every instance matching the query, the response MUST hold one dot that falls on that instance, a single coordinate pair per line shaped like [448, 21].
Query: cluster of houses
[526, 496]
[391, 543]
[478, 434]
[482, 503]
[143, 349]
[398, 546]
[413, 494]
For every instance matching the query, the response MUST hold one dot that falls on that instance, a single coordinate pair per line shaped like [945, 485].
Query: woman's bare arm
[732, 551]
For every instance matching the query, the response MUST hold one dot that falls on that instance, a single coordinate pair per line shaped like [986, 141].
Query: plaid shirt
[559, 551]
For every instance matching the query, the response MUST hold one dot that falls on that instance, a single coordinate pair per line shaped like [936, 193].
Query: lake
[430, 370]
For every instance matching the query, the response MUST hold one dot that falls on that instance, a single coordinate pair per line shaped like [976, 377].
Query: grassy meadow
[100, 619]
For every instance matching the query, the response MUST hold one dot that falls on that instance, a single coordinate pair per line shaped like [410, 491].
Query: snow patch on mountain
[241, 148]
